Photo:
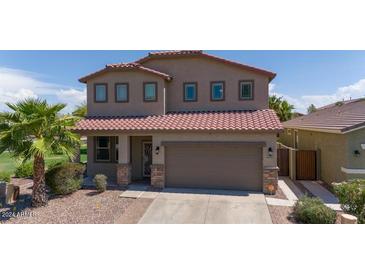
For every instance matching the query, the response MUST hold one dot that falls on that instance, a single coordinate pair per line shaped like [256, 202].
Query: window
[217, 91]
[150, 92]
[121, 92]
[190, 92]
[246, 90]
[101, 93]
[102, 149]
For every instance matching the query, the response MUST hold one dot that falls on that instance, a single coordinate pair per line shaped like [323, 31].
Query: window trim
[211, 91]
[116, 93]
[106, 92]
[96, 160]
[144, 92]
[196, 91]
[252, 82]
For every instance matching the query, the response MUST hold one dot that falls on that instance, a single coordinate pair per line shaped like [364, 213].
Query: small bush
[65, 178]
[352, 197]
[52, 164]
[100, 181]
[5, 177]
[24, 170]
[313, 211]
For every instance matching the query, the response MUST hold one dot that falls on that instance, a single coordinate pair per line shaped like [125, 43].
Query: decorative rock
[124, 174]
[348, 219]
[270, 180]
[158, 176]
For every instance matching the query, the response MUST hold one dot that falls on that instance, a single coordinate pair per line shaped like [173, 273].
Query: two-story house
[182, 119]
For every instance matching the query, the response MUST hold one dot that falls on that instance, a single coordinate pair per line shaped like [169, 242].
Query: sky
[303, 77]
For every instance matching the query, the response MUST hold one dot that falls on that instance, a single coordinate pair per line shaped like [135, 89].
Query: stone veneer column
[158, 175]
[270, 180]
[124, 174]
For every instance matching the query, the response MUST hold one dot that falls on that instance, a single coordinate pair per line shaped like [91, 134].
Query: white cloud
[75, 96]
[354, 91]
[18, 84]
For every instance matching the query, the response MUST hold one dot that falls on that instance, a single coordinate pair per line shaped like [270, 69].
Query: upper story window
[190, 92]
[150, 92]
[246, 90]
[101, 93]
[102, 149]
[121, 92]
[217, 91]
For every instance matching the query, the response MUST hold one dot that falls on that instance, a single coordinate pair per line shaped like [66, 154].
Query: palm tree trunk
[39, 195]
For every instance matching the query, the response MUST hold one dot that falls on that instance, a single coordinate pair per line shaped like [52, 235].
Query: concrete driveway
[191, 206]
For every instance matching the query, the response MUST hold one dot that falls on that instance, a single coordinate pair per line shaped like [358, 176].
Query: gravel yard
[81, 207]
[281, 214]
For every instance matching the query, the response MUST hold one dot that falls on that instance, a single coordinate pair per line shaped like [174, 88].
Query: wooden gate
[283, 161]
[306, 165]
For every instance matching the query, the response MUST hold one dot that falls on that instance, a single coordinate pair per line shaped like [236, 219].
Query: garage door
[220, 166]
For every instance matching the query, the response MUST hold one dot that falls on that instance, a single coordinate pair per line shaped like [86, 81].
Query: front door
[146, 158]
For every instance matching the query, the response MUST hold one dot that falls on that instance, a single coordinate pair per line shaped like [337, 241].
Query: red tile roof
[340, 117]
[124, 67]
[152, 55]
[258, 120]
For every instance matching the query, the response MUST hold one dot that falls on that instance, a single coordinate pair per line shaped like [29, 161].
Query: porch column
[124, 168]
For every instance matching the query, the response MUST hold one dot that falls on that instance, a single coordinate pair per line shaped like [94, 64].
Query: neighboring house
[182, 119]
[337, 133]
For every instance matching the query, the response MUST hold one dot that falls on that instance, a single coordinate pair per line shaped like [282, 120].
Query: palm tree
[283, 109]
[312, 108]
[80, 111]
[33, 129]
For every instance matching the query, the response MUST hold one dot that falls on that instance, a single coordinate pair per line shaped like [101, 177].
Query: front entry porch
[137, 167]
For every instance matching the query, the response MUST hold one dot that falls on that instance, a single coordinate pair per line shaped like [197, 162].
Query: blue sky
[303, 77]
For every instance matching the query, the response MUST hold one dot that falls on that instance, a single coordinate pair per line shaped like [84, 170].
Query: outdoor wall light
[157, 150]
[270, 151]
[357, 153]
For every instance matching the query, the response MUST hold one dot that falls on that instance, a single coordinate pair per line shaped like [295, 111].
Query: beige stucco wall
[136, 106]
[108, 169]
[269, 139]
[203, 71]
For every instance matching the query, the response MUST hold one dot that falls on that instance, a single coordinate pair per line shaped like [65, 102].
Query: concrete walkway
[290, 190]
[321, 192]
[193, 206]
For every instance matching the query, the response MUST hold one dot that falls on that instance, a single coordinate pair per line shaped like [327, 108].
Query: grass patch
[8, 164]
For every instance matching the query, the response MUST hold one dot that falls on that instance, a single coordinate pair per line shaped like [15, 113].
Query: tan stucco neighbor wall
[136, 106]
[354, 141]
[332, 151]
[203, 71]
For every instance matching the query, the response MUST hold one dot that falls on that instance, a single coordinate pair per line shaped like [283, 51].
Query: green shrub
[352, 197]
[53, 163]
[24, 170]
[65, 178]
[100, 181]
[5, 176]
[313, 211]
